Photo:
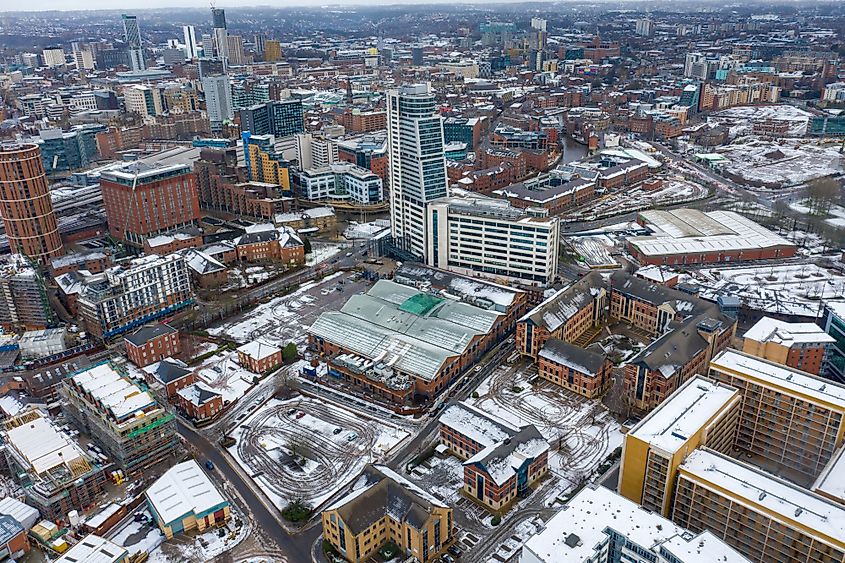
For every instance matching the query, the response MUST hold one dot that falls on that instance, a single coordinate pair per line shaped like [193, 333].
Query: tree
[822, 193]
[289, 352]
[306, 244]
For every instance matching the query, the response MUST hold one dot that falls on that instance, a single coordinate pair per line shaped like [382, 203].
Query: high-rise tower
[220, 35]
[191, 47]
[417, 163]
[133, 41]
[25, 203]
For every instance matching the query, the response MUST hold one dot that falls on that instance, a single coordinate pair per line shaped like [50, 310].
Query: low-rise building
[199, 402]
[340, 182]
[577, 369]
[387, 507]
[799, 345]
[171, 375]
[95, 549]
[14, 544]
[185, 499]
[259, 356]
[151, 344]
[266, 243]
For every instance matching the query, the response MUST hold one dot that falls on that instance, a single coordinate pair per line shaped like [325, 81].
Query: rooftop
[147, 333]
[571, 356]
[477, 424]
[42, 446]
[685, 412]
[787, 334]
[93, 549]
[183, 489]
[113, 391]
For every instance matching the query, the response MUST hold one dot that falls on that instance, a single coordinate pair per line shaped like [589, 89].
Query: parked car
[209, 465]
[351, 436]
[300, 414]
[337, 431]
[454, 550]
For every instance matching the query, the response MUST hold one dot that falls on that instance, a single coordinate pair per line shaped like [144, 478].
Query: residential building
[645, 27]
[701, 412]
[417, 164]
[53, 57]
[171, 375]
[341, 182]
[587, 373]
[151, 344]
[315, 151]
[235, 45]
[789, 418]
[762, 516]
[132, 35]
[218, 100]
[13, 539]
[25, 204]
[690, 236]
[266, 243]
[65, 151]
[146, 101]
[385, 340]
[259, 357]
[199, 402]
[387, 507]
[599, 526]
[569, 314]
[142, 201]
[23, 298]
[466, 430]
[127, 296]
[56, 475]
[368, 152]
[263, 163]
[121, 416]
[474, 234]
[280, 118]
[798, 345]
[185, 499]
[463, 129]
[220, 37]
[272, 50]
[833, 323]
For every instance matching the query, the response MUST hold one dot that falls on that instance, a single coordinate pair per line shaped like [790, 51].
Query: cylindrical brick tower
[25, 204]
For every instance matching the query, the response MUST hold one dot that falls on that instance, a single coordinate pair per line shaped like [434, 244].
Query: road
[296, 548]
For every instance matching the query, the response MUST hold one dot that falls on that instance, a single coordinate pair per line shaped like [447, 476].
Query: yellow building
[788, 417]
[388, 508]
[272, 51]
[701, 412]
[263, 167]
[763, 517]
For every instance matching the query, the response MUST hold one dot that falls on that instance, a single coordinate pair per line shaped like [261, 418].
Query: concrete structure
[218, 100]
[340, 182]
[387, 507]
[689, 236]
[121, 416]
[473, 234]
[599, 526]
[417, 164]
[185, 499]
[143, 201]
[130, 295]
[799, 345]
[833, 323]
[151, 344]
[23, 298]
[25, 204]
[132, 35]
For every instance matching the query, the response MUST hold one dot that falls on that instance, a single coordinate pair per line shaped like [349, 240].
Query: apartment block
[833, 323]
[387, 507]
[23, 298]
[130, 295]
[574, 368]
[473, 234]
[340, 183]
[258, 356]
[567, 315]
[700, 413]
[199, 402]
[142, 201]
[151, 344]
[599, 526]
[56, 475]
[121, 416]
[761, 516]
[798, 345]
[790, 418]
[266, 243]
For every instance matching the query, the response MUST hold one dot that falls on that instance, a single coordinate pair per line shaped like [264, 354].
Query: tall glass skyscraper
[220, 36]
[132, 35]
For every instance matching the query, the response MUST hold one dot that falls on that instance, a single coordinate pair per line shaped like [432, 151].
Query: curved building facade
[25, 204]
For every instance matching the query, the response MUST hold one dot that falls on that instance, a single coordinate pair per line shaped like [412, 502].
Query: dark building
[279, 118]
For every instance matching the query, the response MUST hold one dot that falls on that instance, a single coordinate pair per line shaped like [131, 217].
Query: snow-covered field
[309, 449]
[595, 250]
[836, 212]
[788, 289]
[285, 319]
[581, 432]
[223, 374]
[790, 163]
[739, 119]
[320, 252]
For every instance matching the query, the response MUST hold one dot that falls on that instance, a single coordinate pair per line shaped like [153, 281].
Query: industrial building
[57, 476]
[121, 416]
[387, 507]
[690, 236]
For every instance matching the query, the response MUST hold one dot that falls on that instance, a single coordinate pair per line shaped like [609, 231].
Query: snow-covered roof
[258, 349]
[26, 515]
[779, 499]
[571, 356]
[115, 392]
[502, 460]
[94, 549]
[565, 304]
[787, 334]
[579, 532]
[183, 489]
[831, 481]
[685, 412]
[42, 446]
[477, 424]
[785, 379]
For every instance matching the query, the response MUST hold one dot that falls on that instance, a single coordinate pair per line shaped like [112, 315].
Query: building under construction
[56, 475]
[23, 299]
[121, 416]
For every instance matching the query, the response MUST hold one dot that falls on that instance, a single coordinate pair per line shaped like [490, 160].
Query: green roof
[419, 304]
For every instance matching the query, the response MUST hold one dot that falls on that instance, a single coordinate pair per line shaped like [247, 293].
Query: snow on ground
[674, 190]
[595, 250]
[581, 432]
[357, 230]
[222, 373]
[836, 213]
[309, 449]
[787, 289]
[320, 252]
[740, 118]
[792, 162]
[281, 320]
[135, 536]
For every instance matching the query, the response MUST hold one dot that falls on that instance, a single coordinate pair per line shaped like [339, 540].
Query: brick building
[199, 402]
[576, 369]
[801, 346]
[259, 357]
[151, 344]
[266, 243]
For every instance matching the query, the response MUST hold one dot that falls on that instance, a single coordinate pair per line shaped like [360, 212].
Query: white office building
[417, 162]
[341, 181]
[315, 151]
[190, 38]
[473, 234]
[218, 100]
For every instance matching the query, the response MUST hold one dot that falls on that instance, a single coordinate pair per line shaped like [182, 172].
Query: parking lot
[308, 449]
[285, 319]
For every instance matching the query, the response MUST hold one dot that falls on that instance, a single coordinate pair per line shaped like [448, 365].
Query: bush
[296, 511]
[475, 395]
[496, 520]
[329, 550]
[388, 551]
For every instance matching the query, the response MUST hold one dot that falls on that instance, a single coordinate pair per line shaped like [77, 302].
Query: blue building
[278, 118]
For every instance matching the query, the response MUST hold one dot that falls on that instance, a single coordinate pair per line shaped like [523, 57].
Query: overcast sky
[44, 5]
